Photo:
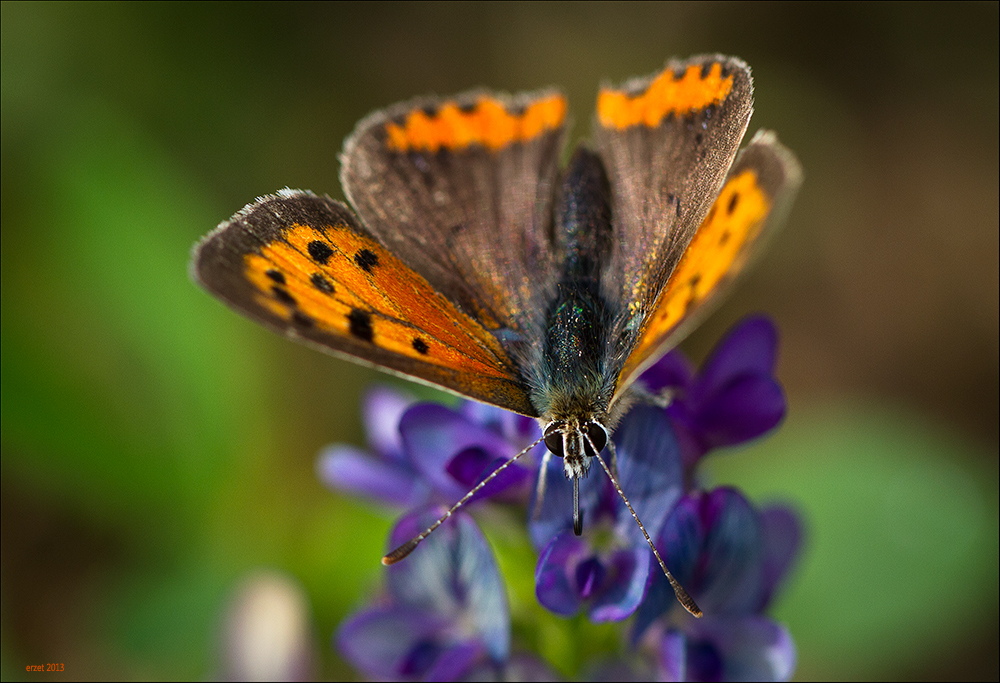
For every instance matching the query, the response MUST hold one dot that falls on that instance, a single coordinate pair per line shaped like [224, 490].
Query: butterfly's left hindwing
[302, 265]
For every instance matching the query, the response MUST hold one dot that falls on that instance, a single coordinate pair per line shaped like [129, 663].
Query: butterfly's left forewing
[461, 189]
[303, 266]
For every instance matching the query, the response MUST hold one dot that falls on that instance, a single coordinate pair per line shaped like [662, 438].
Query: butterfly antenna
[682, 595]
[408, 547]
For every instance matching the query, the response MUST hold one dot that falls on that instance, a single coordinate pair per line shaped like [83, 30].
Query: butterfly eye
[554, 438]
[597, 435]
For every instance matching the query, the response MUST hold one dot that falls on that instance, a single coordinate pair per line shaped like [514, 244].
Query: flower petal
[672, 655]
[382, 642]
[743, 409]
[433, 434]
[382, 409]
[556, 512]
[553, 587]
[680, 542]
[453, 663]
[472, 465]
[673, 371]
[649, 472]
[345, 468]
[625, 585]
[749, 648]
[731, 568]
[750, 348]
[453, 573]
[782, 534]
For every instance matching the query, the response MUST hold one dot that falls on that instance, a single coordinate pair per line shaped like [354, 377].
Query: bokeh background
[158, 449]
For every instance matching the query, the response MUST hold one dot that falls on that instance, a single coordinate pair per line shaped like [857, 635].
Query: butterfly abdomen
[573, 377]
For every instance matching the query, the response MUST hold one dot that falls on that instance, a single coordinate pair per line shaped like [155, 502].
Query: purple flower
[732, 399]
[385, 473]
[730, 558]
[444, 615]
[426, 452]
[606, 570]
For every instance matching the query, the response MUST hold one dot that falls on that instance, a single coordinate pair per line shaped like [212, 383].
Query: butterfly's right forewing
[667, 142]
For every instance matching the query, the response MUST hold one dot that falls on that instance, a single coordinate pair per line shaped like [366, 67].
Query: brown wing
[752, 204]
[460, 189]
[667, 142]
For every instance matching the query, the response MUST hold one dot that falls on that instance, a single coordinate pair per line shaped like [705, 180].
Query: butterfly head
[576, 441]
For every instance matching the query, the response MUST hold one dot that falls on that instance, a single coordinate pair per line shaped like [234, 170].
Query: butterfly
[471, 262]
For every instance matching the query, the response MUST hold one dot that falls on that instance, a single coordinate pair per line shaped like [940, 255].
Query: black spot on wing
[732, 203]
[321, 283]
[420, 346]
[276, 275]
[320, 252]
[366, 259]
[282, 295]
[361, 324]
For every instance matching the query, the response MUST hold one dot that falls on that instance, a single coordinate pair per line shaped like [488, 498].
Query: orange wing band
[668, 93]
[488, 123]
[716, 253]
[348, 285]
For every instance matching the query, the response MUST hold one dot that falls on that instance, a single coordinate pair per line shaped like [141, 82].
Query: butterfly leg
[536, 513]
[661, 399]
[614, 458]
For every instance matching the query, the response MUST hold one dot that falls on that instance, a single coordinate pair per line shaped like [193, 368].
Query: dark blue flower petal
[433, 434]
[455, 662]
[649, 471]
[782, 534]
[555, 574]
[382, 408]
[747, 648]
[472, 465]
[750, 348]
[743, 409]
[348, 469]
[730, 576]
[589, 576]
[390, 642]
[680, 542]
[453, 573]
[624, 587]
[673, 371]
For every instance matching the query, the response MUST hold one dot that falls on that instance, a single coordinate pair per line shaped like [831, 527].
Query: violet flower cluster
[444, 614]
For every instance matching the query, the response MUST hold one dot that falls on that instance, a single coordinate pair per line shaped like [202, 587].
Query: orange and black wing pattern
[757, 193]
[302, 265]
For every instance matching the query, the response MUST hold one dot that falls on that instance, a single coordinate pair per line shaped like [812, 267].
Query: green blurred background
[158, 449]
